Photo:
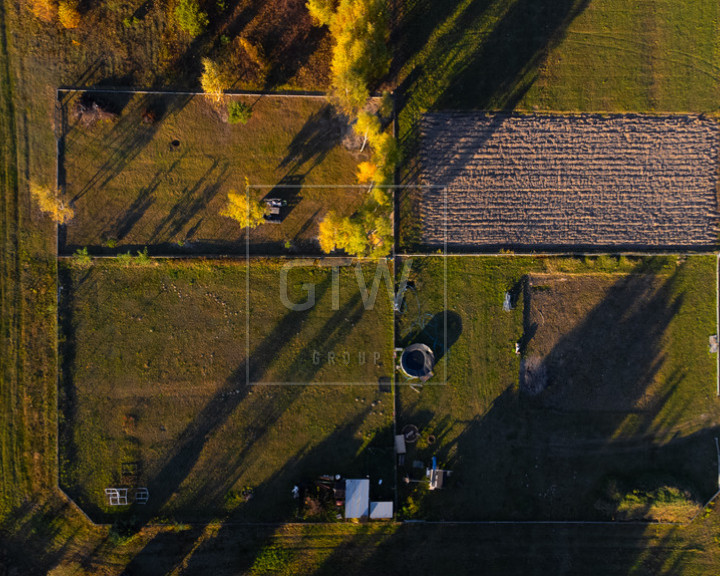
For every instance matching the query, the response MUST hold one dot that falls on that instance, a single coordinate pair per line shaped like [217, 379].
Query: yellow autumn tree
[360, 55]
[213, 80]
[367, 234]
[50, 204]
[366, 172]
[367, 126]
[69, 13]
[322, 11]
[247, 212]
[44, 9]
[386, 155]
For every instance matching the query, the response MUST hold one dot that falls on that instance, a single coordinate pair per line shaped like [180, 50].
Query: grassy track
[619, 550]
[12, 450]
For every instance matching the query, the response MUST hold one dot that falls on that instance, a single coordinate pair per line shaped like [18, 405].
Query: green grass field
[631, 392]
[130, 186]
[563, 56]
[155, 386]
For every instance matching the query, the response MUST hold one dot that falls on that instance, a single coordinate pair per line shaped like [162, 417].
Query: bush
[213, 80]
[44, 9]
[143, 258]
[387, 106]
[124, 259]
[50, 204]
[386, 155]
[191, 18]
[81, 258]
[239, 113]
[69, 13]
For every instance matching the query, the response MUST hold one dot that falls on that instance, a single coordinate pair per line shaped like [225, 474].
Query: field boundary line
[231, 524]
[702, 510]
[322, 257]
[170, 92]
[548, 254]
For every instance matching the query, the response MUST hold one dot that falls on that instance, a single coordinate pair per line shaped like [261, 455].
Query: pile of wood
[89, 112]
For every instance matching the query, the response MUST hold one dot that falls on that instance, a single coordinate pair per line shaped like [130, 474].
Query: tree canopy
[360, 55]
[50, 204]
[191, 18]
[247, 212]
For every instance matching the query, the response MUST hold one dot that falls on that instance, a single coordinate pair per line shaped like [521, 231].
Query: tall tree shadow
[322, 132]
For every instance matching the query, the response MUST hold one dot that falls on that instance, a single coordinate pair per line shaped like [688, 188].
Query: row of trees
[360, 58]
[67, 12]
[189, 14]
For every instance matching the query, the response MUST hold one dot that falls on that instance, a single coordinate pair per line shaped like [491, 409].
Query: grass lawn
[629, 401]
[562, 55]
[163, 184]
[154, 386]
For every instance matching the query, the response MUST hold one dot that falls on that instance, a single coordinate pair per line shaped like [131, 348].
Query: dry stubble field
[570, 181]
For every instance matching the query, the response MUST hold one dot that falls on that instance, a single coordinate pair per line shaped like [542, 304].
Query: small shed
[381, 510]
[357, 498]
[400, 447]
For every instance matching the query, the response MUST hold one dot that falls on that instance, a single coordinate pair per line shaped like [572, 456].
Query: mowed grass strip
[163, 184]
[630, 394]
[13, 449]
[154, 386]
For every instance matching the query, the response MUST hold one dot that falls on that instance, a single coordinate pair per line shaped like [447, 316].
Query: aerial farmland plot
[589, 395]
[586, 182]
[158, 391]
[360, 287]
[157, 171]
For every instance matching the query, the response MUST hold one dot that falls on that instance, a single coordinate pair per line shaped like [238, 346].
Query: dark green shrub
[239, 113]
[191, 18]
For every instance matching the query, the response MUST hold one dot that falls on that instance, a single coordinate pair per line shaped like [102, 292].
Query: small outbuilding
[381, 510]
[357, 498]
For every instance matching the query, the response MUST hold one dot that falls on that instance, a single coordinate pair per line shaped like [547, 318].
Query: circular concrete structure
[417, 361]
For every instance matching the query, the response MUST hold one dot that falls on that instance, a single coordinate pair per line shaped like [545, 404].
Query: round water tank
[417, 361]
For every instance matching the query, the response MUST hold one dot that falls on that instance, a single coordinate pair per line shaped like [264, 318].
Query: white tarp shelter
[357, 498]
[381, 510]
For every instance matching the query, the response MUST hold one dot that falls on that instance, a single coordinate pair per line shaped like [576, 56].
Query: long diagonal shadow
[232, 394]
